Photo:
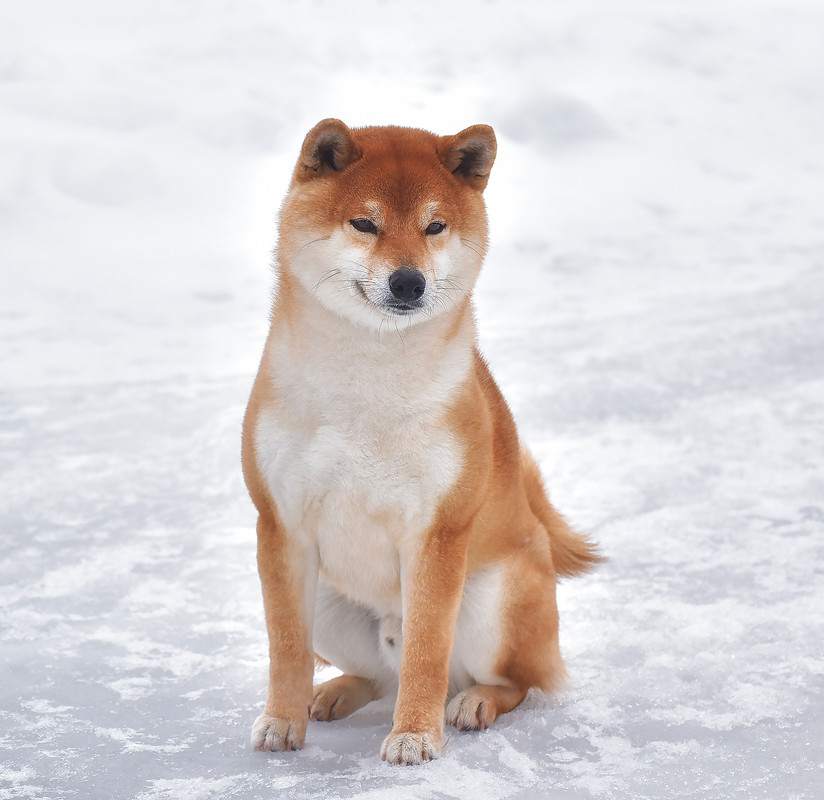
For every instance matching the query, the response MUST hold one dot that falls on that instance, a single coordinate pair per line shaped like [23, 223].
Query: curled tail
[572, 552]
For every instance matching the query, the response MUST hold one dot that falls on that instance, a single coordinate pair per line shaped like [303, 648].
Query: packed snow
[651, 306]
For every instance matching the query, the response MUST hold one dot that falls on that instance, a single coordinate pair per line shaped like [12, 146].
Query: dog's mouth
[400, 308]
[403, 308]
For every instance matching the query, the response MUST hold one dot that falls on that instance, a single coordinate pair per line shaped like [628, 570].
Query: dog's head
[387, 222]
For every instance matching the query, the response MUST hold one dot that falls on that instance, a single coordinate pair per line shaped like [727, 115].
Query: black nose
[407, 284]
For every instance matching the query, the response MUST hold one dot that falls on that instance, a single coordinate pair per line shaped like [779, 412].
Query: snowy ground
[652, 307]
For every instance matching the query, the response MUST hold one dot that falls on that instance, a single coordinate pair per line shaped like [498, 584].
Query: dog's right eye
[363, 225]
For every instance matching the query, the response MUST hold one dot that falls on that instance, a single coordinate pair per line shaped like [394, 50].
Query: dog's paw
[339, 697]
[410, 748]
[278, 733]
[469, 711]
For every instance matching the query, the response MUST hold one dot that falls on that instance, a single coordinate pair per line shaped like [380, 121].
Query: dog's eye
[363, 225]
[434, 227]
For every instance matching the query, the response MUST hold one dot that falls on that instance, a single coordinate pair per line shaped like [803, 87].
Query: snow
[651, 307]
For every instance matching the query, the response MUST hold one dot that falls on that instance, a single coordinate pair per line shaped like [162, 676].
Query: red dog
[404, 533]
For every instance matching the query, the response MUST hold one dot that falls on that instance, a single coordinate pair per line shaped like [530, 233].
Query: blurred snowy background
[652, 307]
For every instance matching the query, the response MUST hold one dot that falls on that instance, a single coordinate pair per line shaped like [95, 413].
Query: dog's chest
[359, 470]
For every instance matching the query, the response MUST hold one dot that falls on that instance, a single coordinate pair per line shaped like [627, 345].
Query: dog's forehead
[401, 181]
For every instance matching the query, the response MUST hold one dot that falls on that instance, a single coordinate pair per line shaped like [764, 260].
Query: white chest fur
[356, 449]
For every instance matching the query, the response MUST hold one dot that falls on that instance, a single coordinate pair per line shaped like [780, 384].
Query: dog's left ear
[329, 147]
[469, 155]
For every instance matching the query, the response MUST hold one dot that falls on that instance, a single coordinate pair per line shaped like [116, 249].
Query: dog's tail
[572, 552]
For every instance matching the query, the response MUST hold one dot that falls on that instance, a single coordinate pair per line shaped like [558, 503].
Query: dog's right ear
[328, 147]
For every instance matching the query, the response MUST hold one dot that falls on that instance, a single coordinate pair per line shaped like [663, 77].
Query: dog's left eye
[434, 227]
[363, 225]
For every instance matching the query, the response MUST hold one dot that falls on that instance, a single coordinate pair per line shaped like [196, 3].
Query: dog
[404, 533]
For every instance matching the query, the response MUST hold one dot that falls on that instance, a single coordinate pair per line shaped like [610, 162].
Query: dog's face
[388, 223]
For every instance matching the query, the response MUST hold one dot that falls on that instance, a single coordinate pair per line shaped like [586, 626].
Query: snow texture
[651, 306]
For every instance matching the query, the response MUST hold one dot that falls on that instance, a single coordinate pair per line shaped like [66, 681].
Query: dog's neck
[317, 351]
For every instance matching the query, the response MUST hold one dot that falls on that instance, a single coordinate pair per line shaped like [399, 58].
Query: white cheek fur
[333, 267]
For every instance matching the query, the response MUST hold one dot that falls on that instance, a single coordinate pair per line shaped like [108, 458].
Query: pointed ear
[328, 147]
[469, 155]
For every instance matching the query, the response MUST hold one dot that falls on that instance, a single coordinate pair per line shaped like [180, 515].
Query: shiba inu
[404, 534]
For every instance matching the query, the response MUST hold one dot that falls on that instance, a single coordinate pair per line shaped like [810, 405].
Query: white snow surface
[652, 306]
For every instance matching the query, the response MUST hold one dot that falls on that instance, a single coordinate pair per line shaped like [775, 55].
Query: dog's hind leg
[506, 639]
[347, 635]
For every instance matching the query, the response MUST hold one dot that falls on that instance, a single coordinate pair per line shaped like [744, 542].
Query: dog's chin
[389, 307]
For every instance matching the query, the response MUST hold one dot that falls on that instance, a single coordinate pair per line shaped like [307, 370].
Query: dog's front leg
[288, 576]
[432, 583]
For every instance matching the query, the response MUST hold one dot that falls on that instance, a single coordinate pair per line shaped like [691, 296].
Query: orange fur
[443, 495]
